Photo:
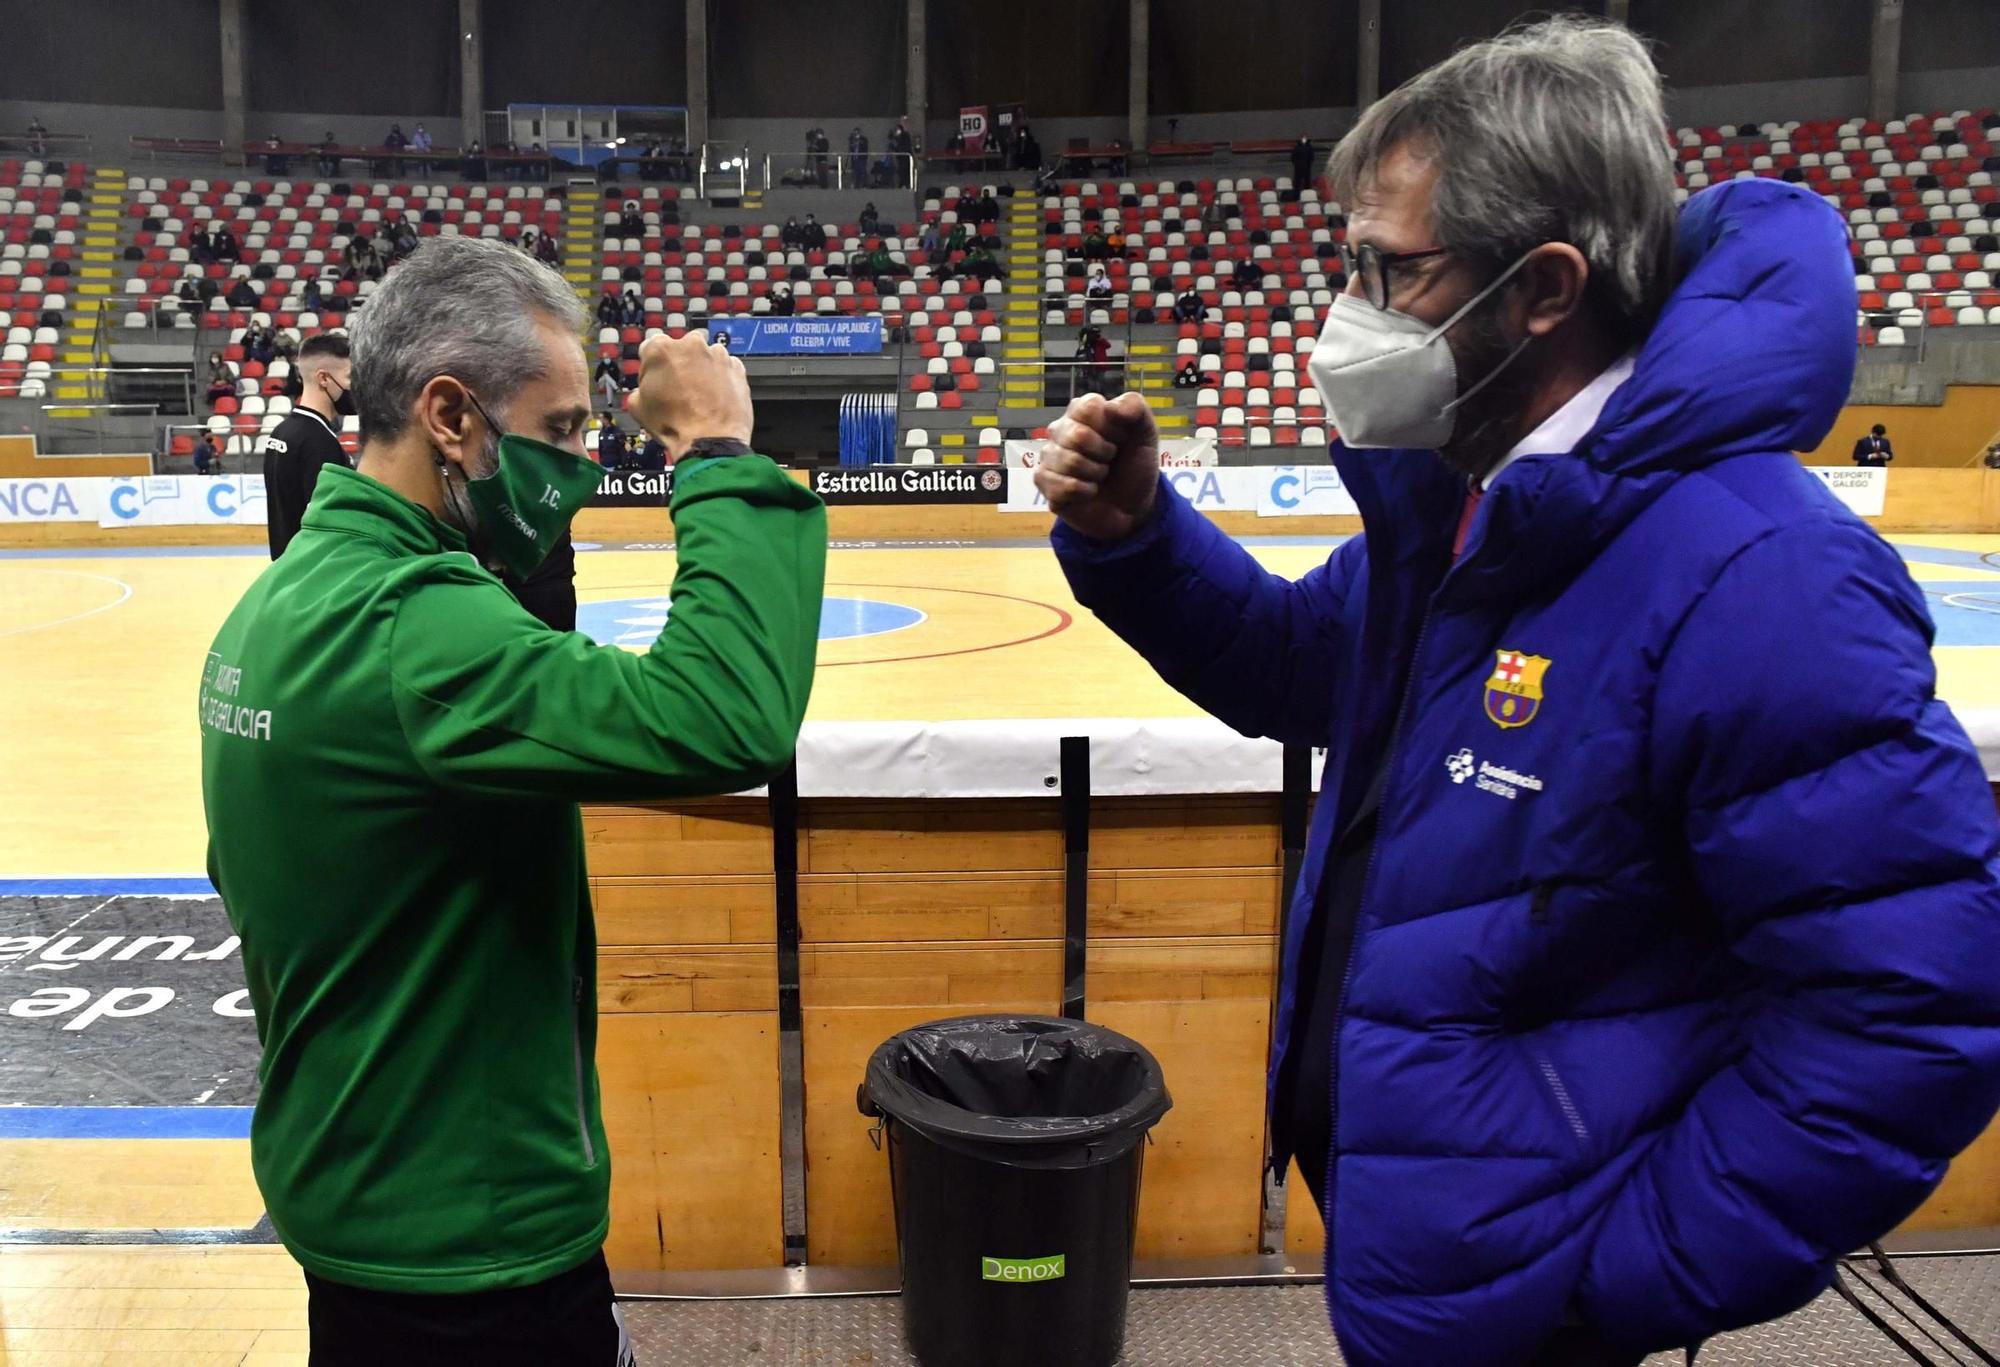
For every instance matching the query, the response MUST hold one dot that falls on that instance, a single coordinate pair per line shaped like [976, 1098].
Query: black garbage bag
[1016, 1146]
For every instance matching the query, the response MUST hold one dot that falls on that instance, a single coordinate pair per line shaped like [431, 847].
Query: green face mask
[517, 514]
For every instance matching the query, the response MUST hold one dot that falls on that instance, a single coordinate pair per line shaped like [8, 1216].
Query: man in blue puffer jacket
[1642, 962]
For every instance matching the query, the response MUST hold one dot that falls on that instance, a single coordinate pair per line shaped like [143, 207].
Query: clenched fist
[689, 390]
[1100, 468]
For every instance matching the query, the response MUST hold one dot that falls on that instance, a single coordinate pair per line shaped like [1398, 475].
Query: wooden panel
[888, 907]
[1184, 970]
[1204, 1172]
[127, 1184]
[691, 1110]
[725, 836]
[1305, 1229]
[1182, 902]
[855, 998]
[684, 911]
[20, 460]
[934, 837]
[1969, 1196]
[1179, 833]
[1949, 435]
[1940, 501]
[697, 978]
[954, 979]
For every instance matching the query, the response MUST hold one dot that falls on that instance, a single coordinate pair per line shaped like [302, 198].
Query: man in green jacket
[393, 751]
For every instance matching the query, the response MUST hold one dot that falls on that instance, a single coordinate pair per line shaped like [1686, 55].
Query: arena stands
[40, 215]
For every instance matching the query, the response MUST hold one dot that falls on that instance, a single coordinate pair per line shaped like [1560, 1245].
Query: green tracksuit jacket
[392, 755]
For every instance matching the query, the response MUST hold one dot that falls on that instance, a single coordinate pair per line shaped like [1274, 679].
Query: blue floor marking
[125, 1122]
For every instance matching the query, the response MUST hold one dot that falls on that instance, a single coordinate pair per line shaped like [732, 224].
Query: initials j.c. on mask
[1388, 379]
[514, 515]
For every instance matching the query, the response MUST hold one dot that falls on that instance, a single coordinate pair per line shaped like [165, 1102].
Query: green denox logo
[1022, 1269]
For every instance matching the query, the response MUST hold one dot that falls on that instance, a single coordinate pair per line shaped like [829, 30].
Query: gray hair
[467, 307]
[1551, 132]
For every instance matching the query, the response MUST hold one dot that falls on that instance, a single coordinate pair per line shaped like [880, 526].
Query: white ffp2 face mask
[1388, 379]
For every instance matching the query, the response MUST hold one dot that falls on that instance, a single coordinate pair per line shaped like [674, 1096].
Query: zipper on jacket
[576, 1050]
[1560, 1092]
[1354, 946]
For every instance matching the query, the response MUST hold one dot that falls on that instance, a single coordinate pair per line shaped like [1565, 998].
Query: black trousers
[566, 1321]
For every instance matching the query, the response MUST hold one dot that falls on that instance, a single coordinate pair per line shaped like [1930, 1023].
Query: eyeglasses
[1370, 265]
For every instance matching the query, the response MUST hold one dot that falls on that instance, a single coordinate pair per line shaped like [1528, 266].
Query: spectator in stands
[420, 141]
[189, 294]
[813, 234]
[1188, 307]
[359, 255]
[879, 264]
[208, 455]
[226, 247]
[38, 137]
[222, 377]
[900, 148]
[1214, 216]
[980, 264]
[790, 234]
[1096, 246]
[652, 453]
[633, 312]
[1115, 163]
[1189, 375]
[406, 240]
[871, 219]
[1249, 275]
[274, 155]
[1567, 413]
[260, 343]
[201, 244]
[610, 439]
[546, 250]
[608, 379]
[987, 210]
[241, 295]
[1114, 242]
[1027, 151]
[857, 158]
[1302, 162]
[1099, 284]
[328, 163]
[1874, 448]
[610, 312]
[631, 219]
[931, 244]
[817, 161]
[472, 164]
[959, 240]
[312, 300]
[1093, 353]
[396, 141]
[782, 303]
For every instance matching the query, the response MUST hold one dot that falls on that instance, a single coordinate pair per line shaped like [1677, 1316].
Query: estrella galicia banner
[634, 489]
[834, 335]
[912, 484]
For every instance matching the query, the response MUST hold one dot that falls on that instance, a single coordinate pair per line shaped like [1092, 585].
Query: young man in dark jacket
[1615, 1003]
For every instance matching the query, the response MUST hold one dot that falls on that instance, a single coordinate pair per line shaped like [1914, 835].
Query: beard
[1488, 423]
[458, 509]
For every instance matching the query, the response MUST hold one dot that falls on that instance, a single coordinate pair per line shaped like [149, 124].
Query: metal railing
[1915, 317]
[103, 380]
[722, 171]
[841, 171]
[46, 146]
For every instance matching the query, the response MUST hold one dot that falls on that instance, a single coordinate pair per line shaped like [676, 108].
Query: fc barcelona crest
[1514, 693]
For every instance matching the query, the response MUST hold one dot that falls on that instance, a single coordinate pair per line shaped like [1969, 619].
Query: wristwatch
[717, 446]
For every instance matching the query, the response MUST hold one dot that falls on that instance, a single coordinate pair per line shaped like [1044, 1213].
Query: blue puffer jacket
[1677, 971]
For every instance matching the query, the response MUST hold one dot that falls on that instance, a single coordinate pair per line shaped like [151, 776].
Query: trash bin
[1015, 1147]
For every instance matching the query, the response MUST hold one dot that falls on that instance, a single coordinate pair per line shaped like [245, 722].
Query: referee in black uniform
[308, 438]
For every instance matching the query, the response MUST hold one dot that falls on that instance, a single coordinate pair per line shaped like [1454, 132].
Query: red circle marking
[1063, 620]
